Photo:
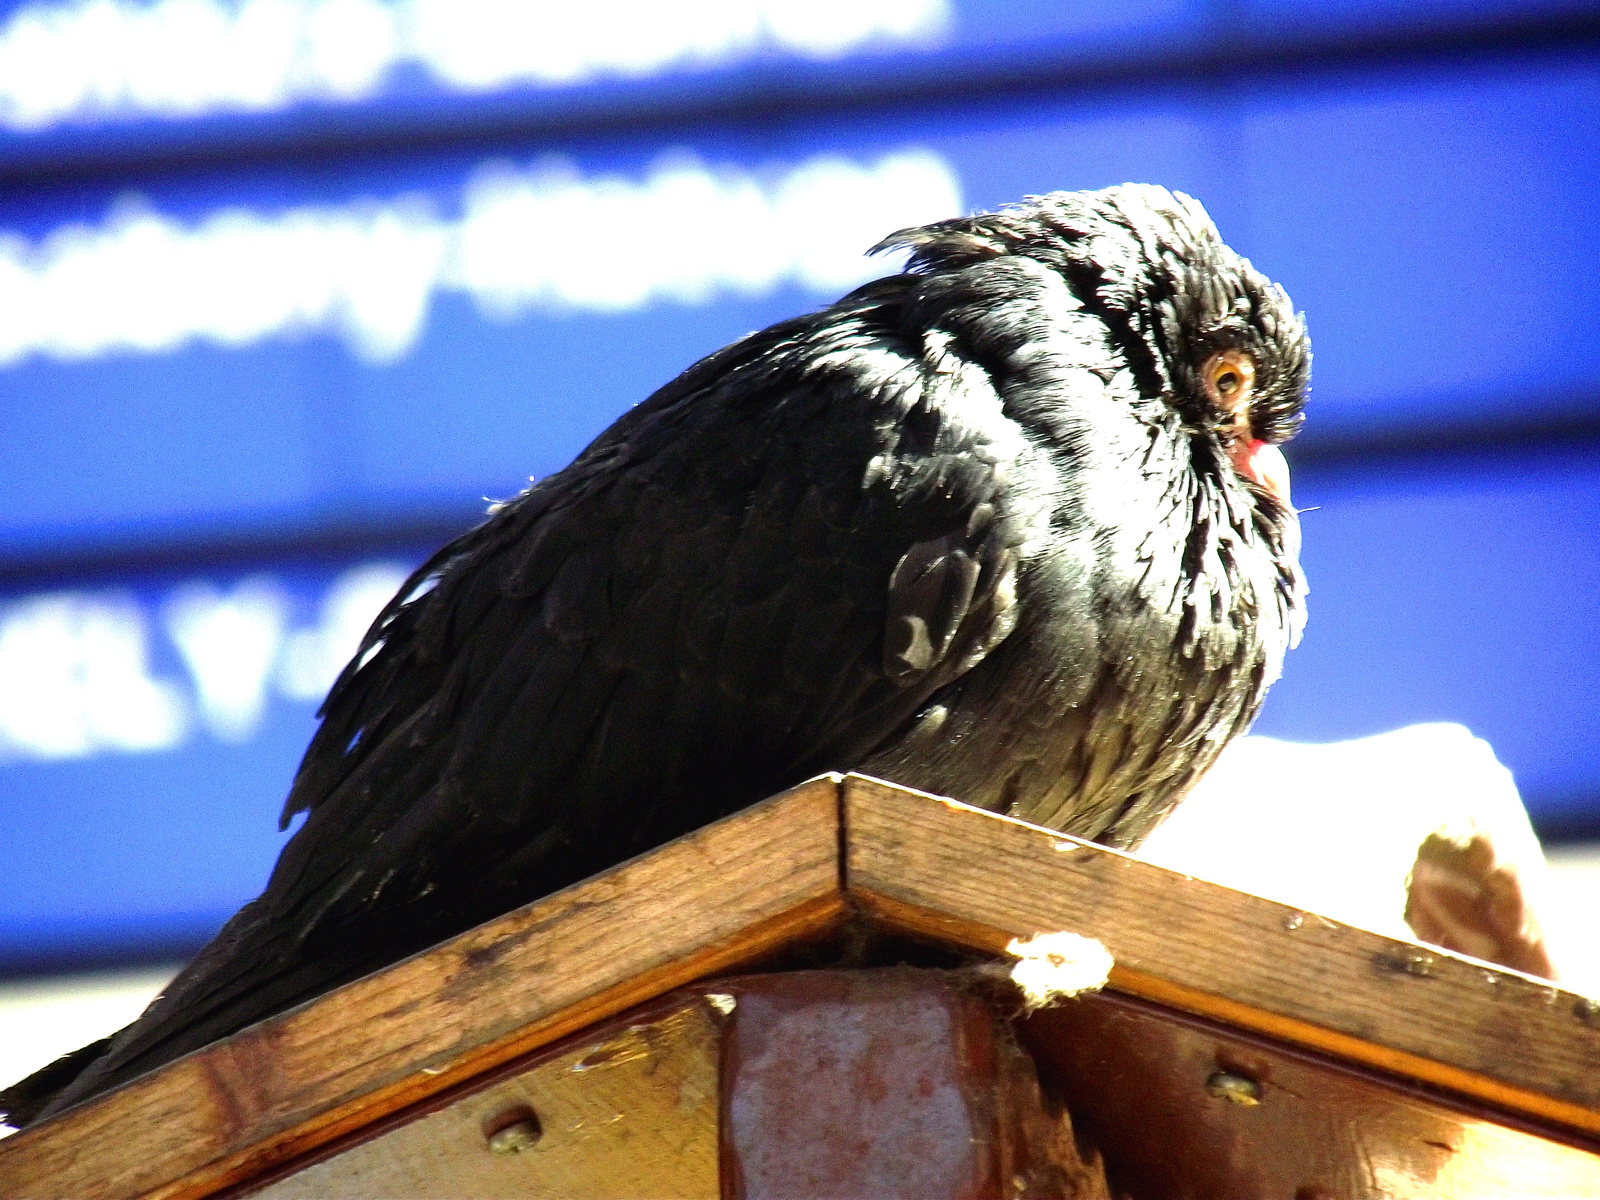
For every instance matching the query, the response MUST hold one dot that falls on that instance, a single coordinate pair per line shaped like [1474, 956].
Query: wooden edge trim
[811, 918]
[650, 1011]
[374, 1112]
[1414, 1090]
[922, 922]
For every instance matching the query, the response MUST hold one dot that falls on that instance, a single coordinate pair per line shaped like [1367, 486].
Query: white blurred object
[1334, 829]
[40, 1020]
[67, 61]
[368, 272]
[1573, 899]
[83, 662]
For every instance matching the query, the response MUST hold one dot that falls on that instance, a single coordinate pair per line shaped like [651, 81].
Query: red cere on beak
[1264, 463]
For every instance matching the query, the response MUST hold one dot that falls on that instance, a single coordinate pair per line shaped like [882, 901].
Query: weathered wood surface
[628, 1112]
[896, 1084]
[943, 870]
[764, 879]
[1180, 1106]
[704, 904]
[906, 1083]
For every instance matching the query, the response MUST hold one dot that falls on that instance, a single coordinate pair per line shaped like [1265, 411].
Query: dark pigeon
[1008, 526]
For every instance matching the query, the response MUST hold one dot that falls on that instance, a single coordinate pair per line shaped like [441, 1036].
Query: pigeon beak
[1263, 463]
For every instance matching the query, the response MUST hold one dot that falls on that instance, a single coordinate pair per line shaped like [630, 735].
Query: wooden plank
[708, 902]
[941, 869]
[1181, 1106]
[629, 1111]
[884, 1083]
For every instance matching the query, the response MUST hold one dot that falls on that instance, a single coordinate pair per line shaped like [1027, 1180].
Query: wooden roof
[790, 869]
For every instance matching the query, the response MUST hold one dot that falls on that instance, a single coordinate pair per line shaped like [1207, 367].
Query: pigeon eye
[1229, 377]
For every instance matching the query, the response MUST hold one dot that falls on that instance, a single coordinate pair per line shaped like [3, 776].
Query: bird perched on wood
[1010, 525]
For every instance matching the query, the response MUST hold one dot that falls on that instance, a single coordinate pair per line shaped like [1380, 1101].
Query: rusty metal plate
[895, 1084]
[869, 1080]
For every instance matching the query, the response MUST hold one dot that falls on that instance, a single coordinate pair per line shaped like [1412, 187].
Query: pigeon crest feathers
[1140, 249]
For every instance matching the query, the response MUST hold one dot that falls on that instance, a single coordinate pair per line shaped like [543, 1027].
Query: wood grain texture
[628, 1112]
[1141, 1082]
[941, 869]
[705, 903]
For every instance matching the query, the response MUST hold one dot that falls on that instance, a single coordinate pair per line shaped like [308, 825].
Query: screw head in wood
[1587, 1011]
[514, 1131]
[1234, 1088]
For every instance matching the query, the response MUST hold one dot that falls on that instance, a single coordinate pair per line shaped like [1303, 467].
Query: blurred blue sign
[194, 357]
[285, 349]
[80, 79]
[82, 74]
[149, 728]
[1463, 590]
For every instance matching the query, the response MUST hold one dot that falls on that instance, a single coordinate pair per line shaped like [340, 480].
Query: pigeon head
[1230, 353]
[1207, 337]
[1208, 355]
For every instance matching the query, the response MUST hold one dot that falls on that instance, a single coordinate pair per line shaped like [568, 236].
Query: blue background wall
[259, 354]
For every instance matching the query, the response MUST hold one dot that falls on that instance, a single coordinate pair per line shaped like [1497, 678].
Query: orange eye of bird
[1230, 379]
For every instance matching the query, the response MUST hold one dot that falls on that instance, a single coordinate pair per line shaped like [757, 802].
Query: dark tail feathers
[24, 1100]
